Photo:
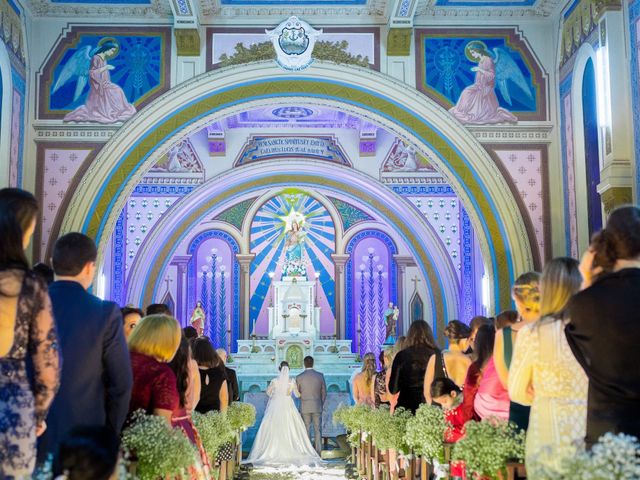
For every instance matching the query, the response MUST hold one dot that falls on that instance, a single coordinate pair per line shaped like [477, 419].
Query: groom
[313, 393]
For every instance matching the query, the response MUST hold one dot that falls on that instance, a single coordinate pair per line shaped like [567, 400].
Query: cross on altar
[415, 281]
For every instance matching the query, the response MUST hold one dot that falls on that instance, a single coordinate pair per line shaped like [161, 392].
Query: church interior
[296, 175]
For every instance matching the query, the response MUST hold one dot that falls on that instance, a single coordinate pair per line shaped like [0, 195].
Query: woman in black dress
[409, 365]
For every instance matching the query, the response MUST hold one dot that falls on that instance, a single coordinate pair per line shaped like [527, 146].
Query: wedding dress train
[282, 438]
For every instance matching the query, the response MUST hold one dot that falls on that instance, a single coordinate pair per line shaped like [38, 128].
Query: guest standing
[410, 364]
[545, 374]
[506, 318]
[153, 344]
[95, 384]
[491, 398]
[130, 318]
[474, 325]
[232, 378]
[159, 309]
[482, 354]
[380, 391]
[605, 326]
[526, 296]
[27, 333]
[452, 363]
[215, 393]
[87, 453]
[188, 384]
[363, 381]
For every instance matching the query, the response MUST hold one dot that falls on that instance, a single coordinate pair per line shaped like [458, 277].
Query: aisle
[333, 470]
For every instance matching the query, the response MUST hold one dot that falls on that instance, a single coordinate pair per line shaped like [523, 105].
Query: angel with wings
[106, 102]
[478, 103]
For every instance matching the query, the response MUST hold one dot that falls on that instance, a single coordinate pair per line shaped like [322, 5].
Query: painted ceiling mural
[105, 75]
[268, 241]
[481, 76]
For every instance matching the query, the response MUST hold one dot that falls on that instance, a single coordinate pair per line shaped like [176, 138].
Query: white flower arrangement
[488, 445]
[356, 419]
[294, 268]
[160, 451]
[614, 457]
[388, 431]
[241, 416]
[215, 430]
[425, 433]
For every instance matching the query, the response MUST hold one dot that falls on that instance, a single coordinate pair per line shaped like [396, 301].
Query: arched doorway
[412, 116]
[591, 146]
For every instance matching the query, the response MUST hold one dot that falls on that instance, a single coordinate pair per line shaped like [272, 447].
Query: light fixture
[603, 97]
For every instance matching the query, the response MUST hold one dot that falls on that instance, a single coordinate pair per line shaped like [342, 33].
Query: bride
[282, 438]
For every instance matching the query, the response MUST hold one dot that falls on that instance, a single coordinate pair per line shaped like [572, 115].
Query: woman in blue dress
[27, 331]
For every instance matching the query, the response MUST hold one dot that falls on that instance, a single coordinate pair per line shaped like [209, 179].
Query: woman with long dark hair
[182, 367]
[410, 364]
[27, 332]
[605, 326]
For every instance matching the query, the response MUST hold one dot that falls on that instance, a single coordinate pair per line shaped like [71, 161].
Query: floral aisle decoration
[425, 433]
[614, 457]
[160, 451]
[488, 446]
[389, 431]
[215, 431]
[241, 416]
[355, 419]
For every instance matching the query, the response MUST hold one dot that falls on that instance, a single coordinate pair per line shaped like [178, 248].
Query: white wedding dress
[282, 438]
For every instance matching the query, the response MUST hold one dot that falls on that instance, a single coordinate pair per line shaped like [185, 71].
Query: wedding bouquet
[215, 430]
[425, 433]
[614, 457]
[241, 416]
[488, 446]
[161, 451]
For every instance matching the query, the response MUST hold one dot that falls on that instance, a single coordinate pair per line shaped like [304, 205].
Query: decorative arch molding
[222, 192]
[381, 99]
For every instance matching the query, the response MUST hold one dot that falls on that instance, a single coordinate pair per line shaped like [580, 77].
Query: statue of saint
[390, 321]
[198, 318]
[293, 244]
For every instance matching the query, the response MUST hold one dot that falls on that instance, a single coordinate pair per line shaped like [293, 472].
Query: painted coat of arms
[293, 41]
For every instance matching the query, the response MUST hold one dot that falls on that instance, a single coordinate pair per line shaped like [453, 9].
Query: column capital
[405, 260]
[340, 260]
[245, 259]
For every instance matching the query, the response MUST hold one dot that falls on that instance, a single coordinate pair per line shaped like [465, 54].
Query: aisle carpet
[333, 470]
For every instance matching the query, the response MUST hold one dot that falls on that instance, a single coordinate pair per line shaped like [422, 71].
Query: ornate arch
[382, 100]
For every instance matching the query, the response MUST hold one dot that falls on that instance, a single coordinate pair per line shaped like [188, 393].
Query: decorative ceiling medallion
[292, 112]
[293, 41]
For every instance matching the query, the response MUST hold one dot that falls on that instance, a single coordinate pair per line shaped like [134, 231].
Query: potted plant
[425, 436]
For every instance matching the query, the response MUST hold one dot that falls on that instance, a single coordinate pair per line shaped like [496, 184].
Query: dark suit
[603, 334]
[232, 385]
[96, 378]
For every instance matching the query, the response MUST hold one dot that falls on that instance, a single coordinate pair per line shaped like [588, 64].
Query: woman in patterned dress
[545, 374]
[27, 330]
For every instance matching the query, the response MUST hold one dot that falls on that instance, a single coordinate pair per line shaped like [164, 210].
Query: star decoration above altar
[291, 217]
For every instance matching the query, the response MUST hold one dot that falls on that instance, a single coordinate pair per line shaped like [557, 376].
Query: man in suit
[96, 377]
[313, 393]
[232, 378]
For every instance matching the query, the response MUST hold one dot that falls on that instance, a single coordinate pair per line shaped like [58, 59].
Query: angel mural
[478, 103]
[106, 102]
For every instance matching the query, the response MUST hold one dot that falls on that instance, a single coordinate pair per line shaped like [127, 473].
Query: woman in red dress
[445, 392]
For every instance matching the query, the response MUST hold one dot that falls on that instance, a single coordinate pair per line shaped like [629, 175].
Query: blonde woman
[363, 381]
[526, 296]
[545, 374]
[153, 344]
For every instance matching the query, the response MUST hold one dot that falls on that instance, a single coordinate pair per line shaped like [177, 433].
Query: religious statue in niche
[198, 318]
[295, 236]
[391, 315]
[478, 103]
[106, 101]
